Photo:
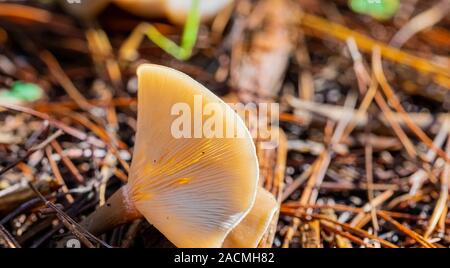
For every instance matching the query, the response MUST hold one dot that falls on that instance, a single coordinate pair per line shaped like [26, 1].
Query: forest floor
[363, 158]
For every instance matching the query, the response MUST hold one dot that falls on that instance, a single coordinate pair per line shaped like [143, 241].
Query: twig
[32, 151]
[328, 226]
[310, 234]
[25, 12]
[106, 172]
[74, 230]
[369, 178]
[341, 242]
[57, 173]
[73, 226]
[365, 43]
[67, 162]
[57, 71]
[379, 74]
[441, 204]
[69, 104]
[420, 239]
[372, 205]
[364, 81]
[422, 21]
[398, 215]
[103, 55]
[420, 176]
[35, 202]
[101, 133]
[317, 178]
[345, 226]
[9, 239]
[67, 129]
[404, 139]
[292, 229]
[291, 188]
[277, 184]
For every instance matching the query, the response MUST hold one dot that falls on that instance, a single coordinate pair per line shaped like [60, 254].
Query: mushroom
[175, 10]
[85, 9]
[251, 229]
[194, 190]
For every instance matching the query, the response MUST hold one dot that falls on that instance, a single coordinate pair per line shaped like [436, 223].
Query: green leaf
[21, 91]
[189, 37]
[190, 31]
[379, 9]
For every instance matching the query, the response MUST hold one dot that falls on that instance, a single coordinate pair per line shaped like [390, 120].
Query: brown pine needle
[422, 21]
[57, 174]
[99, 132]
[338, 207]
[57, 71]
[67, 129]
[347, 227]
[297, 182]
[329, 227]
[69, 223]
[67, 162]
[420, 239]
[441, 204]
[34, 149]
[25, 12]
[69, 104]
[9, 239]
[367, 44]
[363, 82]
[277, 186]
[103, 55]
[364, 79]
[404, 139]
[379, 74]
[292, 229]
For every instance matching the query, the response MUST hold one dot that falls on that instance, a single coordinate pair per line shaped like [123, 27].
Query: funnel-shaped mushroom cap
[250, 230]
[143, 8]
[86, 9]
[175, 10]
[192, 189]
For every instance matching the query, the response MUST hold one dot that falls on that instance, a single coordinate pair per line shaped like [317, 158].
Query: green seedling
[189, 37]
[128, 50]
[378, 9]
[23, 92]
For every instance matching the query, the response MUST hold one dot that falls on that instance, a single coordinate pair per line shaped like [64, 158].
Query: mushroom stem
[85, 9]
[118, 210]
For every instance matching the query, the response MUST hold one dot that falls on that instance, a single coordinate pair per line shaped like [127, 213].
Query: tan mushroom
[194, 190]
[85, 9]
[175, 10]
[251, 229]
